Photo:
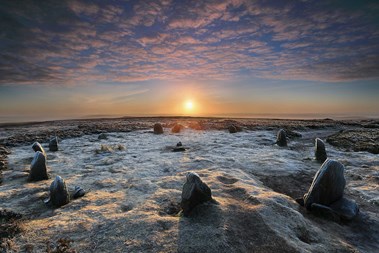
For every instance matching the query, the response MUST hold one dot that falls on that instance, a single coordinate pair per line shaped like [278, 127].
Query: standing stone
[158, 129]
[59, 195]
[38, 147]
[320, 152]
[232, 129]
[38, 169]
[194, 193]
[53, 144]
[327, 186]
[177, 128]
[281, 139]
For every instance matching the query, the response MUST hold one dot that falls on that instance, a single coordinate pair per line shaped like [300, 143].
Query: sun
[189, 105]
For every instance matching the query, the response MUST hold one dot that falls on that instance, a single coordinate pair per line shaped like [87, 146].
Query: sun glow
[188, 105]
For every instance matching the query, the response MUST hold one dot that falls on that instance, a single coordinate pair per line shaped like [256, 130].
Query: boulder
[38, 147]
[53, 144]
[327, 186]
[59, 195]
[194, 193]
[158, 129]
[320, 152]
[281, 139]
[38, 170]
[177, 128]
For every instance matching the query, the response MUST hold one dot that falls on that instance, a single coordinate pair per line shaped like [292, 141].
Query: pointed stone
[53, 144]
[281, 139]
[194, 193]
[320, 152]
[59, 195]
[38, 170]
[327, 186]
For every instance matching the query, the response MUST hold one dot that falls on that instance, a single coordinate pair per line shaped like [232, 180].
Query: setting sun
[188, 105]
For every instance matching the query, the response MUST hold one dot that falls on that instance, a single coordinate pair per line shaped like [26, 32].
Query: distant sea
[27, 118]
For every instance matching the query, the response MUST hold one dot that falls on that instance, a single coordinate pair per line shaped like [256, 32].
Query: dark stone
[232, 129]
[179, 144]
[78, 192]
[179, 149]
[327, 186]
[320, 152]
[177, 128]
[38, 147]
[345, 208]
[38, 170]
[281, 139]
[59, 195]
[194, 193]
[102, 136]
[53, 144]
[158, 129]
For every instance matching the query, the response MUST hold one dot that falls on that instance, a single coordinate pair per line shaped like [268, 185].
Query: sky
[69, 59]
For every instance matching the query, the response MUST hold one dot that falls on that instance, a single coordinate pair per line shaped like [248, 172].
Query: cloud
[116, 41]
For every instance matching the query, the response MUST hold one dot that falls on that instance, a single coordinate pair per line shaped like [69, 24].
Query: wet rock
[194, 193]
[158, 129]
[78, 192]
[281, 139]
[59, 195]
[53, 144]
[320, 152]
[327, 186]
[102, 136]
[179, 144]
[177, 128]
[38, 147]
[38, 170]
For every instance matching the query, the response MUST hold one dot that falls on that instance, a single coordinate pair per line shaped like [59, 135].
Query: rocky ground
[133, 201]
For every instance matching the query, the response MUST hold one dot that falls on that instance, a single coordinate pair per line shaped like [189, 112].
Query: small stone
[158, 129]
[179, 144]
[102, 136]
[38, 147]
[327, 186]
[281, 139]
[345, 208]
[194, 193]
[78, 192]
[59, 195]
[177, 128]
[232, 129]
[320, 152]
[38, 170]
[53, 144]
